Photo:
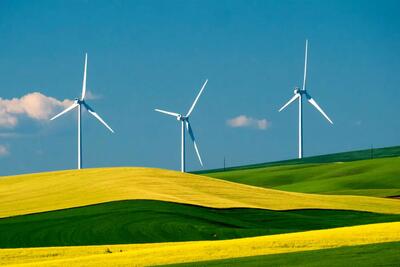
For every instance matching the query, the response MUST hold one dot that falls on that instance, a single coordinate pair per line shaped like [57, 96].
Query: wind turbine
[298, 94]
[78, 103]
[184, 119]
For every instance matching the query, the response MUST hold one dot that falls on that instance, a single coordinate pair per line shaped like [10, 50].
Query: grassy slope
[148, 221]
[26, 194]
[378, 177]
[169, 253]
[329, 158]
[383, 254]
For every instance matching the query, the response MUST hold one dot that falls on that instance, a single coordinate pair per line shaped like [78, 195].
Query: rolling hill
[83, 218]
[150, 221]
[372, 153]
[26, 194]
[376, 177]
[197, 251]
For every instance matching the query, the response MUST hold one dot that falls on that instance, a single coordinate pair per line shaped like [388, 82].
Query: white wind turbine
[298, 94]
[185, 120]
[78, 103]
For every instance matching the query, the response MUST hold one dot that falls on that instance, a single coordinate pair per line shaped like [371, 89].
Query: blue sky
[156, 54]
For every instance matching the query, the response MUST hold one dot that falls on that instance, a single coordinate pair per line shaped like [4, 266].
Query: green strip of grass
[145, 221]
[384, 254]
[378, 177]
[329, 158]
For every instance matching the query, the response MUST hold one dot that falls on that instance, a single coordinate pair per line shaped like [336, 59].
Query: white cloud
[3, 151]
[33, 105]
[244, 121]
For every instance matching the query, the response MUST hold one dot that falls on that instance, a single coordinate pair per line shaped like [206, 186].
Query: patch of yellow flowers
[178, 252]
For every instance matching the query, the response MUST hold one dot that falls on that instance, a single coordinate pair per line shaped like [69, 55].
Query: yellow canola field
[178, 252]
[25, 194]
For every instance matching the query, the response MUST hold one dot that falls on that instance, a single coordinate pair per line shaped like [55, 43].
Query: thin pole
[372, 151]
[301, 126]
[79, 138]
[224, 163]
[183, 147]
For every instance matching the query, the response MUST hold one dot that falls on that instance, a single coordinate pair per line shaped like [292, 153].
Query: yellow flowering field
[168, 253]
[25, 194]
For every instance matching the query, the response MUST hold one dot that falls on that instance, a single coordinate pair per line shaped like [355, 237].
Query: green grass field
[385, 254]
[377, 177]
[146, 221]
[364, 154]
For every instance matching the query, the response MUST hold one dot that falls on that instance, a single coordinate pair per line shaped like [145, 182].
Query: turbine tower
[299, 94]
[185, 122]
[79, 102]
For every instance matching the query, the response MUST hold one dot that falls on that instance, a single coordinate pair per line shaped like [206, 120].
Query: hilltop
[364, 154]
[25, 194]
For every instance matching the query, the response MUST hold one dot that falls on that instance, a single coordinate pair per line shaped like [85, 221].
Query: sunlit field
[27, 194]
[377, 177]
[168, 253]
[142, 216]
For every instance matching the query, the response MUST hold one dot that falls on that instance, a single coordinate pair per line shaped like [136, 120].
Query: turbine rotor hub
[182, 118]
[179, 117]
[298, 90]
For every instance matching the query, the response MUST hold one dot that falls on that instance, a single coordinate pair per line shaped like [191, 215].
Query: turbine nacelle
[182, 118]
[298, 90]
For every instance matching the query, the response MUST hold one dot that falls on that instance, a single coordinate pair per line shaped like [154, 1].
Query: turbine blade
[197, 98]
[91, 111]
[305, 66]
[189, 129]
[167, 112]
[74, 105]
[84, 79]
[315, 104]
[289, 102]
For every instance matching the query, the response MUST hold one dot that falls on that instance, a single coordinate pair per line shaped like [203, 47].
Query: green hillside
[329, 158]
[146, 221]
[385, 254]
[376, 177]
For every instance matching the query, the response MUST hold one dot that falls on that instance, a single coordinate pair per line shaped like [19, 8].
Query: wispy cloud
[3, 151]
[34, 105]
[244, 121]
[92, 96]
